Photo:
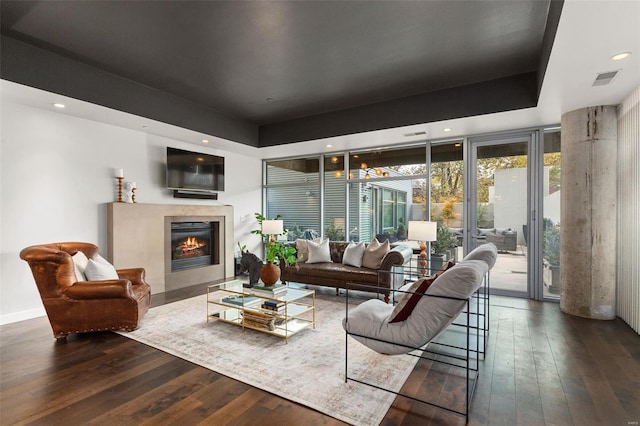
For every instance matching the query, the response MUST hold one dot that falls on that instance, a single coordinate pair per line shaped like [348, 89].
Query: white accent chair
[445, 300]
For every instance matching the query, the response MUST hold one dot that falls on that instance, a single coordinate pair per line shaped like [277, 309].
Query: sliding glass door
[499, 208]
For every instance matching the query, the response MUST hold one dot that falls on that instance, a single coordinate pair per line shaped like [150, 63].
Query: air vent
[605, 78]
[419, 133]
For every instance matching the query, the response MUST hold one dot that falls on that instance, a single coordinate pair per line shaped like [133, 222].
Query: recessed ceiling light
[457, 145]
[205, 140]
[446, 129]
[59, 105]
[329, 146]
[620, 56]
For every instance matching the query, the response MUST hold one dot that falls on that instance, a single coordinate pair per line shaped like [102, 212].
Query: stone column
[588, 213]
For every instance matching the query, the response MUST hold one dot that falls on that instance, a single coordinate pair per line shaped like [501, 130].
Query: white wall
[628, 279]
[56, 176]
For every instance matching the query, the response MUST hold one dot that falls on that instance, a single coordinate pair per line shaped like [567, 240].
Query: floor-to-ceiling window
[387, 189]
[551, 187]
[501, 208]
[334, 198]
[503, 189]
[447, 196]
[292, 190]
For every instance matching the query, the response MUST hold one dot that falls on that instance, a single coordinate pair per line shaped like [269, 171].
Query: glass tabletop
[236, 286]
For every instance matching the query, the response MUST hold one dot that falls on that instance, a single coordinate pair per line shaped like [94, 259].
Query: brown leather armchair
[85, 306]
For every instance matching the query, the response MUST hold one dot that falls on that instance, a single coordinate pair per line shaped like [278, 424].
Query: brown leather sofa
[337, 275]
[85, 306]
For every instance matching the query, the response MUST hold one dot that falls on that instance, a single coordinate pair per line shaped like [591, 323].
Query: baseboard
[22, 315]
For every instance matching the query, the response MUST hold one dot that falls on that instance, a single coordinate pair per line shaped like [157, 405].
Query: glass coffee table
[281, 316]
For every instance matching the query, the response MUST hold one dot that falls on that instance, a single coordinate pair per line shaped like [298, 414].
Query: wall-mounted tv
[194, 171]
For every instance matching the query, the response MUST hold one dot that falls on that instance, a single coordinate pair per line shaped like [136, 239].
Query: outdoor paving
[509, 272]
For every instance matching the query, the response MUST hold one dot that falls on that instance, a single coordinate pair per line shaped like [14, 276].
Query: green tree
[446, 181]
[552, 160]
[447, 209]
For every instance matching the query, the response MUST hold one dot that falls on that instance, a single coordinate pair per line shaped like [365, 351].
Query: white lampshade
[419, 230]
[272, 227]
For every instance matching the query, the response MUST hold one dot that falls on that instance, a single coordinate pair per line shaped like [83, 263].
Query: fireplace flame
[191, 243]
[190, 246]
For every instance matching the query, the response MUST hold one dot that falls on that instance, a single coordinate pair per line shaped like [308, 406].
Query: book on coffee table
[269, 291]
[239, 300]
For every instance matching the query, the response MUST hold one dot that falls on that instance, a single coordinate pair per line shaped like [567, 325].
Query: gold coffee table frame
[234, 304]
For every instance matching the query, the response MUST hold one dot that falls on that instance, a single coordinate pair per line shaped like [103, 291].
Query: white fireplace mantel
[137, 238]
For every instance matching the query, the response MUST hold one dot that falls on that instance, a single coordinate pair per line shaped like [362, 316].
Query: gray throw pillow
[374, 253]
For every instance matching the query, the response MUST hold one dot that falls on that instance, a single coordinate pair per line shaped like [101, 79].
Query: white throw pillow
[80, 262]
[101, 259]
[319, 252]
[374, 253]
[98, 271]
[353, 254]
[79, 275]
[302, 249]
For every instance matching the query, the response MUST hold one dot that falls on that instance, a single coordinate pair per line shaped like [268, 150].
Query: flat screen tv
[194, 171]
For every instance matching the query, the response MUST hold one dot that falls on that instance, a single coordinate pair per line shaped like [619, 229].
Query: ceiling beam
[32, 66]
[488, 97]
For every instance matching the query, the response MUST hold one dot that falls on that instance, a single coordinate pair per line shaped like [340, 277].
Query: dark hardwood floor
[542, 368]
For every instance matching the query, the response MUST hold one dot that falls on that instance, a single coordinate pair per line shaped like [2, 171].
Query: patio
[509, 273]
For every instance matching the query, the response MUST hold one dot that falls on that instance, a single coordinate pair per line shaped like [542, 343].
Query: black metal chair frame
[481, 296]
[468, 362]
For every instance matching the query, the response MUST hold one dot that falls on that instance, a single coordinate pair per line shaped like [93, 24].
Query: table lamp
[422, 231]
[272, 227]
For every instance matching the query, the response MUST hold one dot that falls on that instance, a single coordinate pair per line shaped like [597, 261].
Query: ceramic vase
[270, 274]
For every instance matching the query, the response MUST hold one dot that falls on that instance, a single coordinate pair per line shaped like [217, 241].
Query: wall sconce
[337, 174]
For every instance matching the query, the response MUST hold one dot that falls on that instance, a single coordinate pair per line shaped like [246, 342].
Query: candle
[119, 173]
[133, 185]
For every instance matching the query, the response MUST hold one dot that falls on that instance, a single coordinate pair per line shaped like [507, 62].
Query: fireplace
[139, 235]
[193, 244]
[194, 250]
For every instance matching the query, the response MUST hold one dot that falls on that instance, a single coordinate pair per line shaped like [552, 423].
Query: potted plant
[402, 229]
[551, 255]
[445, 240]
[276, 253]
[389, 234]
[334, 232]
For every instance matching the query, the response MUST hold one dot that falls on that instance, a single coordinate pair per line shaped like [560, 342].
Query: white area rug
[308, 370]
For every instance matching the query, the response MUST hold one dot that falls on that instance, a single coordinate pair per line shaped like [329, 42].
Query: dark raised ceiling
[272, 72]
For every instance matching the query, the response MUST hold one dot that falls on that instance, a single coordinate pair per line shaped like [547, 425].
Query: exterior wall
[510, 200]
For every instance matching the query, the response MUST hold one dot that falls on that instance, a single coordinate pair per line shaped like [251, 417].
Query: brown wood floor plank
[542, 367]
